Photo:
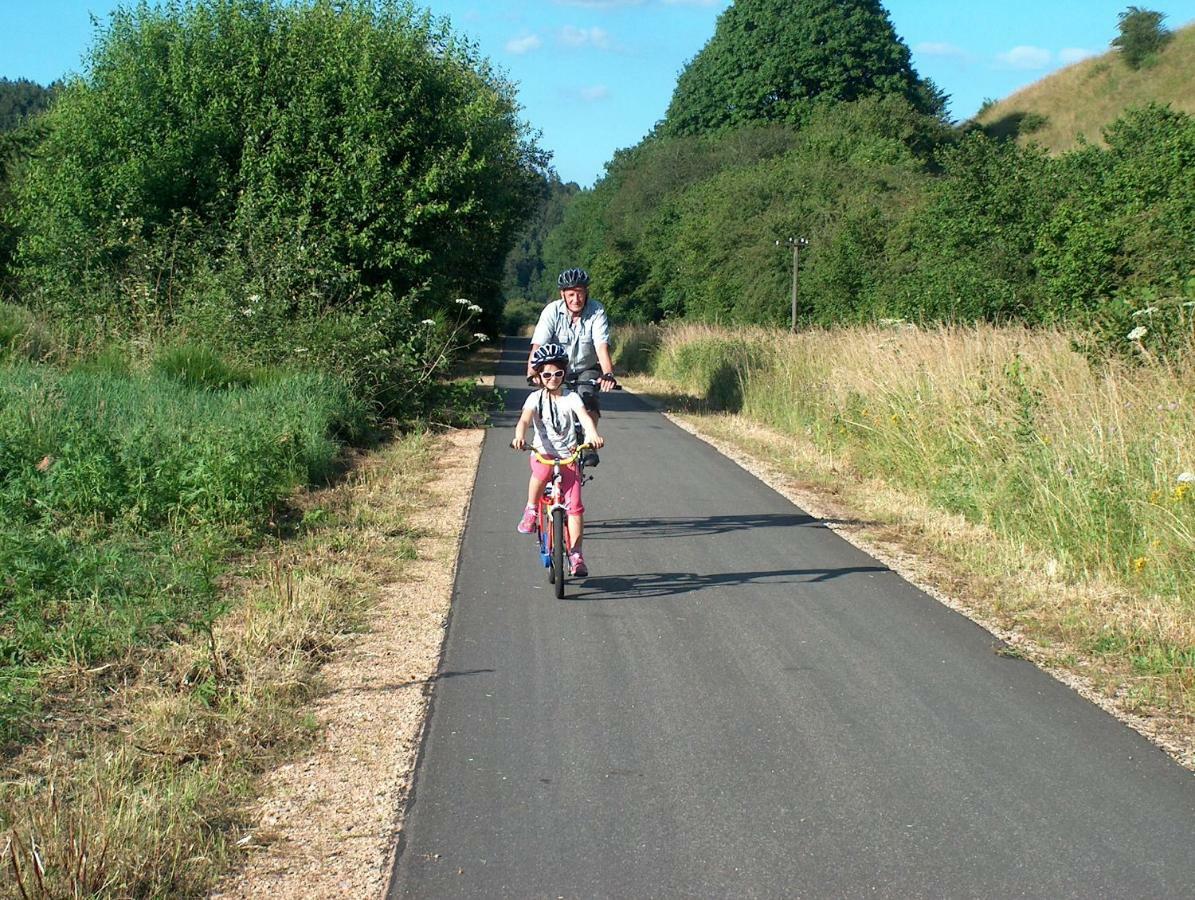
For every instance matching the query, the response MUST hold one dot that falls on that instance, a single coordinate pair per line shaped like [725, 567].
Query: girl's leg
[535, 488]
[570, 485]
[539, 477]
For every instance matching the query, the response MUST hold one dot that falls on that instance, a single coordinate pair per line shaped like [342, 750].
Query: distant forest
[22, 98]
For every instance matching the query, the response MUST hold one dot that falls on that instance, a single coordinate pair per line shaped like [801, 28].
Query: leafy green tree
[310, 177]
[770, 59]
[1142, 36]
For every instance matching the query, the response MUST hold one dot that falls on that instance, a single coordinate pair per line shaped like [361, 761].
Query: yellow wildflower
[1139, 563]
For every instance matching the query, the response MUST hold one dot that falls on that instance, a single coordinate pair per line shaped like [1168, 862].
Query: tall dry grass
[1080, 473]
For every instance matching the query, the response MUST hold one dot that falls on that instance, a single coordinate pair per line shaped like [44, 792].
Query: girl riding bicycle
[553, 413]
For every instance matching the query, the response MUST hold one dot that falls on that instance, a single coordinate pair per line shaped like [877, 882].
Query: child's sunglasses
[551, 374]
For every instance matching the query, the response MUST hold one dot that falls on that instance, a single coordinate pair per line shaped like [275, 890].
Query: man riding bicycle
[581, 326]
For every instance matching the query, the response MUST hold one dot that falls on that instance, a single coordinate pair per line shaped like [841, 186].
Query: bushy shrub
[297, 180]
[1142, 36]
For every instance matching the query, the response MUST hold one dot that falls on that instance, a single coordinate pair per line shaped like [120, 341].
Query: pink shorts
[570, 486]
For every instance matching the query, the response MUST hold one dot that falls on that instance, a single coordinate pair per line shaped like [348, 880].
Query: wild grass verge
[139, 788]
[119, 495]
[1071, 484]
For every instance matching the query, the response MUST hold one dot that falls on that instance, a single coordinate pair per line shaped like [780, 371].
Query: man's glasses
[551, 374]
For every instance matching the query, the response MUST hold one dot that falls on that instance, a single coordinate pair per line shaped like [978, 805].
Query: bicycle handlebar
[573, 382]
[563, 460]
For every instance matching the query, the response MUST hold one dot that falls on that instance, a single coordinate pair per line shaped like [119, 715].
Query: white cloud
[1026, 57]
[1075, 54]
[571, 36]
[525, 44]
[598, 4]
[593, 93]
[935, 48]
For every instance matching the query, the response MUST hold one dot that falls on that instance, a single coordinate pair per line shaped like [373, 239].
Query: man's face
[574, 298]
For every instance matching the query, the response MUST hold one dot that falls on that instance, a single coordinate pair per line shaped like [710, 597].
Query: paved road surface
[739, 703]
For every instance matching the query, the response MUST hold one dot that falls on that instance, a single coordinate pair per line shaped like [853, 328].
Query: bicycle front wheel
[558, 555]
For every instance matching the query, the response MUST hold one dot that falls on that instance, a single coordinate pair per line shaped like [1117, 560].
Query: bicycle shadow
[668, 584]
[689, 526]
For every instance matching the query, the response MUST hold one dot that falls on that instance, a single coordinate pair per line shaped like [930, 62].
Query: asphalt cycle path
[739, 703]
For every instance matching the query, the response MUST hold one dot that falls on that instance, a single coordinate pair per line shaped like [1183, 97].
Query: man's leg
[589, 396]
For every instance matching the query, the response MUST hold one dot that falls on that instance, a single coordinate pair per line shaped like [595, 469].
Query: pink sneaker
[527, 523]
[577, 564]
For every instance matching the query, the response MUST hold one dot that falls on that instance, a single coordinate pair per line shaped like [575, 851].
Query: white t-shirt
[553, 420]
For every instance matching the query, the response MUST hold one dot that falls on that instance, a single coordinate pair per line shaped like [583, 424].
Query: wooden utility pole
[796, 244]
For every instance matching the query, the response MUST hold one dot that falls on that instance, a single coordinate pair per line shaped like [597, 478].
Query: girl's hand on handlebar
[598, 442]
[518, 444]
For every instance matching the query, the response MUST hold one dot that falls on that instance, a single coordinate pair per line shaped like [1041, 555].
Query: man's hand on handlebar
[532, 378]
[607, 382]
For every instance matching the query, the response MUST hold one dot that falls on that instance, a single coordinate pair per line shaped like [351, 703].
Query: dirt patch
[327, 825]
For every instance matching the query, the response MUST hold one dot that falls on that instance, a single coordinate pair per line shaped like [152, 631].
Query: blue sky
[595, 75]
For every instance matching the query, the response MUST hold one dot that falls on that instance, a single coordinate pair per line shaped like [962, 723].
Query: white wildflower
[463, 302]
[1138, 333]
[300, 349]
[481, 336]
[247, 310]
[1187, 478]
[474, 308]
[428, 322]
[1148, 311]
[255, 298]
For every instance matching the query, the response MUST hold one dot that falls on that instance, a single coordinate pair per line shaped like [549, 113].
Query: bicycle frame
[551, 527]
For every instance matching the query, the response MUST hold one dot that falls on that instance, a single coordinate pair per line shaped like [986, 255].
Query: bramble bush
[300, 181]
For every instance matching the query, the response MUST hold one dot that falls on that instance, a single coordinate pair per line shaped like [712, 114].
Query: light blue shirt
[580, 338]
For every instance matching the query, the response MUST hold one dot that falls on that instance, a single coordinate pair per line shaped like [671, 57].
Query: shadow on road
[667, 584]
[687, 526]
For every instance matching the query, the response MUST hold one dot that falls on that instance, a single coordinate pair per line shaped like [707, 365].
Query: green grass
[120, 495]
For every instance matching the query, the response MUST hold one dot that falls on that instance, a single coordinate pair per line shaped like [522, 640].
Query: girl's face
[552, 378]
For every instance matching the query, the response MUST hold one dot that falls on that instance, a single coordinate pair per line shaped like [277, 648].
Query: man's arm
[603, 355]
[531, 376]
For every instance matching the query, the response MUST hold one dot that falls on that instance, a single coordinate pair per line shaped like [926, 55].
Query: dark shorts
[587, 391]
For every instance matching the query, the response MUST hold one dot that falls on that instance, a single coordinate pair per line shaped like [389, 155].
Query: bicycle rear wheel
[558, 554]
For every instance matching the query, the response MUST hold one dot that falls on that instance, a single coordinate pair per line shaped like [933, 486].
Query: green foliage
[300, 181]
[1126, 221]
[769, 60]
[1142, 36]
[966, 252]
[119, 494]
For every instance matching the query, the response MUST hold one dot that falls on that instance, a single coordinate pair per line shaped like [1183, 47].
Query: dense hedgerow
[301, 181]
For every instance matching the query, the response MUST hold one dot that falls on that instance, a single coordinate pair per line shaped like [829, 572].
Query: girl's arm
[519, 442]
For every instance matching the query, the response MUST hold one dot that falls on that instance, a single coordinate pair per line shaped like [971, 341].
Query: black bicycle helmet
[571, 278]
[549, 353]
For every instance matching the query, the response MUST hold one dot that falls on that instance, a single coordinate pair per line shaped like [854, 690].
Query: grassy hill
[1083, 98]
